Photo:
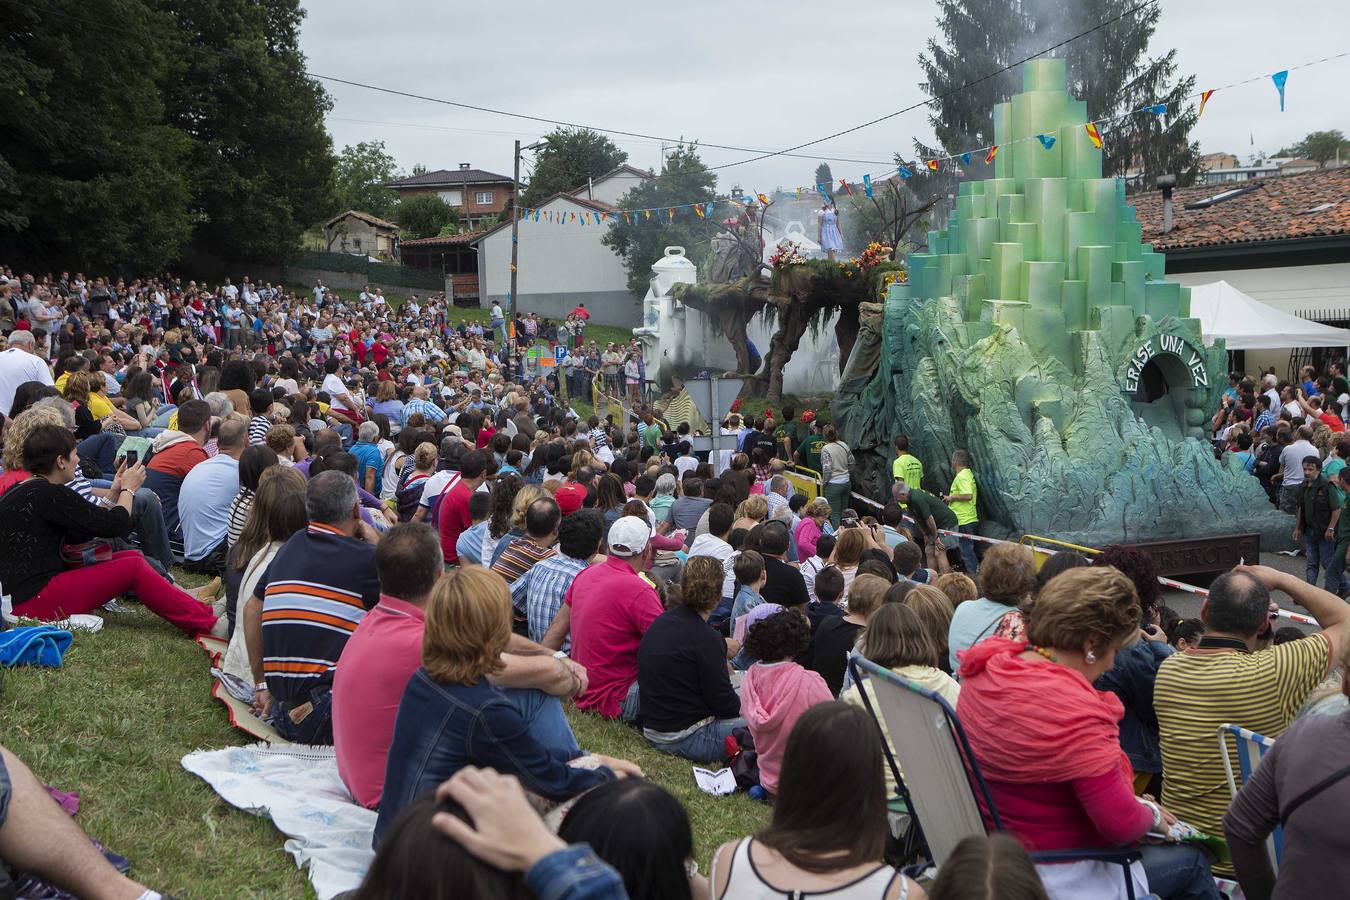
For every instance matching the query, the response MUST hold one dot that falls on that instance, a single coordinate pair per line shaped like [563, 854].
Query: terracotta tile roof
[364, 217]
[434, 243]
[1277, 208]
[450, 178]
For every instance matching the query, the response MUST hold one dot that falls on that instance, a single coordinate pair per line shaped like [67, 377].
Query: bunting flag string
[1280, 78]
[905, 171]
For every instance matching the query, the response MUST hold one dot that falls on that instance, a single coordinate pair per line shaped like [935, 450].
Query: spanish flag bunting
[932, 164]
[671, 213]
[993, 151]
[1047, 141]
[1093, 135]
[574, 217]
[628, 218]
[799, 193]
[698, 211]
[763, 199]
[1204, 98]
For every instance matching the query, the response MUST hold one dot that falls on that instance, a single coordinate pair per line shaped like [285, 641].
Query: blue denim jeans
[706, 745]
[544, 715]
[316, 728]
[969, 556]
[1319, 552]
[632, 706]
[574, 873]
[164, 415]
[1178, 872]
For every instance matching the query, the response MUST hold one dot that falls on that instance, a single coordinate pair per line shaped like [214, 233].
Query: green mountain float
[1038, 332]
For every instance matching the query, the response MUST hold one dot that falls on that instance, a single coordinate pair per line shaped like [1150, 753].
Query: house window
[452, 198]
[483, 198]
[356, 242]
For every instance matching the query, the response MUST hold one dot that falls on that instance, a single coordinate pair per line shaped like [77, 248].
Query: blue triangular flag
[708, 209]
[1158, 109]
[965, 158]
[867, 184]
[822, 188]
[905, 173]
[1046, 140]
[1280, 78]
[536, 215]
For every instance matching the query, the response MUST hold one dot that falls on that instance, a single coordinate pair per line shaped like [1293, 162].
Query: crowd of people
[425, 555]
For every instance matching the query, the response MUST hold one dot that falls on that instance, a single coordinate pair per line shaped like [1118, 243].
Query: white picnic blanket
[298, 788]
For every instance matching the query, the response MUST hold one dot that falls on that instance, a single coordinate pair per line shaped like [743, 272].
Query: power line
[891, 115]
[565, 124]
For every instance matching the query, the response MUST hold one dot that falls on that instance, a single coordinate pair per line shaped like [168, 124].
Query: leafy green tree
[825, 177]
[359, 180]
[683, 179]
[424, 216]
[572, 156]
[1110, 69]
[1320, 146]
[261, 161]
[90, 174]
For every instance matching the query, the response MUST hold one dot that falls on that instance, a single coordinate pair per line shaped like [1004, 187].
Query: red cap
[570, 497]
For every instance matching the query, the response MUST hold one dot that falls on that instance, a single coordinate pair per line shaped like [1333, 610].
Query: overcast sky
[753, 75]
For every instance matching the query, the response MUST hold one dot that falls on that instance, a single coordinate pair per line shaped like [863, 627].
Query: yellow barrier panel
[1041, 554]
[804, 481]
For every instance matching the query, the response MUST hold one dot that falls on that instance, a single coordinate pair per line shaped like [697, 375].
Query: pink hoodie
[773, 697]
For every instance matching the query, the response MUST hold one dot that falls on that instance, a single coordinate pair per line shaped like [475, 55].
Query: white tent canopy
[1248, 324]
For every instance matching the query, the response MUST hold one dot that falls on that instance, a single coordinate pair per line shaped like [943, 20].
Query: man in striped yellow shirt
[1225, 679]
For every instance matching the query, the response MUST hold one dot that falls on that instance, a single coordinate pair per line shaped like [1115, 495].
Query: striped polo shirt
[1199, 690]
[314, 594]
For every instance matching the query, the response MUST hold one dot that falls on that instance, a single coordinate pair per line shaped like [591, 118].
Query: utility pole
[515, 255]
[515, 246]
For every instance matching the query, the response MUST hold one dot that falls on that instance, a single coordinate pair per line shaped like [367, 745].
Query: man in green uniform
[788, 435]
[961, 497]
[906, 468]
[808, 454]
[929, 514]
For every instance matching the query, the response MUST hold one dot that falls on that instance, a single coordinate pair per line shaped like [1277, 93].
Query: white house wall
[559, 266]
[1299, 290]
[611, 190]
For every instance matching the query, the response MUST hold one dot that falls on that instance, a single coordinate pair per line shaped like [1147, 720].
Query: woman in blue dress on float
[830, 238]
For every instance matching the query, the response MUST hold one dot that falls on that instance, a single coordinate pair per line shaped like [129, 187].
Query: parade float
[1038, 332]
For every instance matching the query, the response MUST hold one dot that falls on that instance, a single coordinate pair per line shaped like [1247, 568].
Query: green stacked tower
[1039, 333]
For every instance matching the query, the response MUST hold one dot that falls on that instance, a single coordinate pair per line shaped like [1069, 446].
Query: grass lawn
[601, 334]
[133, 699]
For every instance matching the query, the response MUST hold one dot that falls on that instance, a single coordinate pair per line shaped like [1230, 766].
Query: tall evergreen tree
[824, 176]
[90, 174]
[572, 156]
[261, 160]
[1110, 69]
[684, 179]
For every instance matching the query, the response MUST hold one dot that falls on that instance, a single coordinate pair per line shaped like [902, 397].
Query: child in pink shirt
[776, 690]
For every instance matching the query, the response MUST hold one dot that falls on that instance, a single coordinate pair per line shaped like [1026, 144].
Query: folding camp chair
[1250, 748]
[942, 784]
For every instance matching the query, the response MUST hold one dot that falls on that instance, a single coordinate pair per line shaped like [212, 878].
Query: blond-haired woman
[811, 527]
[752, 511]
[1007, 581]
[934, 609]
[451, 716]
[76, 393]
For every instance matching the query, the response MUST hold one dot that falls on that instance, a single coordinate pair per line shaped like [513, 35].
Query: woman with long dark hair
[827, 837]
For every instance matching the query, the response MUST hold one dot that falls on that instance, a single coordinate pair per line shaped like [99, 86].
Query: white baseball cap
[628, 536]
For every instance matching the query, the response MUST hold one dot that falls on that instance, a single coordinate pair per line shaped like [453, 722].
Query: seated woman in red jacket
[1048, 743]
[39, 516]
